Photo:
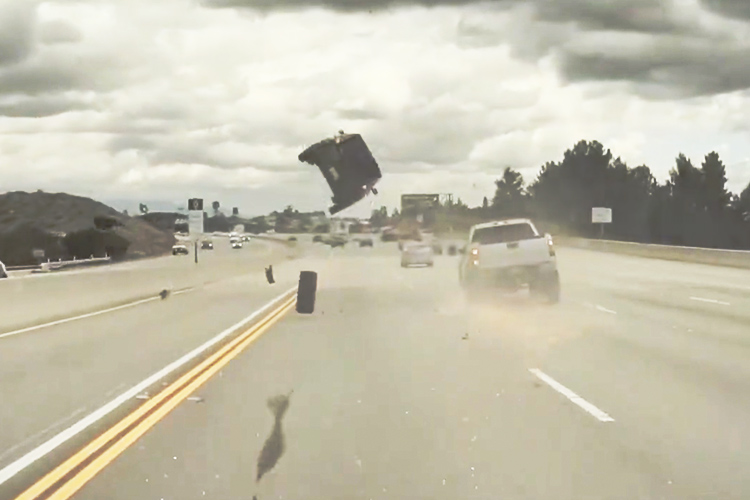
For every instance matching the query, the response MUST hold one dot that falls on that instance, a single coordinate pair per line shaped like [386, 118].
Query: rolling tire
[308, 284]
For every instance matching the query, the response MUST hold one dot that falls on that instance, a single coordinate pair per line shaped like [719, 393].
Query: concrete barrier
[710, 256]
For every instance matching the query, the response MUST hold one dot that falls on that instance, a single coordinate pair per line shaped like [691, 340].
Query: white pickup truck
[510, 254]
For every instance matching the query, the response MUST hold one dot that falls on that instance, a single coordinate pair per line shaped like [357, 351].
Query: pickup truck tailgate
[515, 253]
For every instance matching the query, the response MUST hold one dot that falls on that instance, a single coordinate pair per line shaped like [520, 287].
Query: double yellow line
[70, 476]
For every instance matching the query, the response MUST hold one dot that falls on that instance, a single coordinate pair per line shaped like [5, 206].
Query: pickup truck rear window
[503, 234]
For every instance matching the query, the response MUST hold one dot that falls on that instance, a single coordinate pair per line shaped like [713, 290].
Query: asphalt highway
[636, 385]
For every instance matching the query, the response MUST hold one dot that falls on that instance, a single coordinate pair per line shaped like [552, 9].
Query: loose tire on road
[308, 283]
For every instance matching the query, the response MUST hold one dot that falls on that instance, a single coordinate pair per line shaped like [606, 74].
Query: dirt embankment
[62, 226]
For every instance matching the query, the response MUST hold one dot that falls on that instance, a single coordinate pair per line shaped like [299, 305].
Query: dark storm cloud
[41, 107]
[644, 16]
[345, 5]
[59, 73]
[17, 23]
[36, 79]
[693, 71]
[729, 8]
[649, 16]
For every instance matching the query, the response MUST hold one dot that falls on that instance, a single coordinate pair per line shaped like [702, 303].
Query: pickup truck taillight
[550, 247]
[474, 254]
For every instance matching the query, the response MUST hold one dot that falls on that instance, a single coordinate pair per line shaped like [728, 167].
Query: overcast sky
[161, 100]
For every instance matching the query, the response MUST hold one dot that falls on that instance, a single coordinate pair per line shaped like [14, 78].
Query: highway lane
[402, 389]
[41, 298]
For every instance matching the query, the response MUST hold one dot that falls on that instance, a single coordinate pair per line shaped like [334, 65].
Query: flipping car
[347, 165]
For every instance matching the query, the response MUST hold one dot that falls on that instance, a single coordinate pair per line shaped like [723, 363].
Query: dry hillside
[41, 220]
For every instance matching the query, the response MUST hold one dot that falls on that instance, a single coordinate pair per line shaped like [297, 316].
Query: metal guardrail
[55, 265]
[23, 268]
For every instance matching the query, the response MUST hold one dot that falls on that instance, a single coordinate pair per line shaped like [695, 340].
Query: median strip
[47, 447]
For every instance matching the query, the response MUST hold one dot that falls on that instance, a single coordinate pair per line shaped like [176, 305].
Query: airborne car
[348, 167]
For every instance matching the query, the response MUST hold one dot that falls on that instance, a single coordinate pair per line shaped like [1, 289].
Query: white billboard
[601, 215]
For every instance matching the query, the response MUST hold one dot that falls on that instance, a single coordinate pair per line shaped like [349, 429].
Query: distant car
[237, 244]
[452, 250]
[292, 238]
[318, 238]
[3, 271]
[180, 250]
[245, 238]
[388, 236]
[336, 241]
[365, 242]
[417, 254]
[437, 248]
[207, 245]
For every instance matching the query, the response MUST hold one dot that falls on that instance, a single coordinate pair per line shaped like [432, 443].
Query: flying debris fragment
[347, 165]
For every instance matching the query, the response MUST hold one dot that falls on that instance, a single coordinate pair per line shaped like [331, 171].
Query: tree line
[693, 207]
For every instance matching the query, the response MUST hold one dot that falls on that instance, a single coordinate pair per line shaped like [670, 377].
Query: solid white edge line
[711, 301]
[572, 396]
[89, 315]
[75, 318]
[48, 446]
[604, 309]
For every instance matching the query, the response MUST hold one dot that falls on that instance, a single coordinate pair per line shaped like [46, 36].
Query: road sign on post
[195, 222]
[601, 216]
[195, 217]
